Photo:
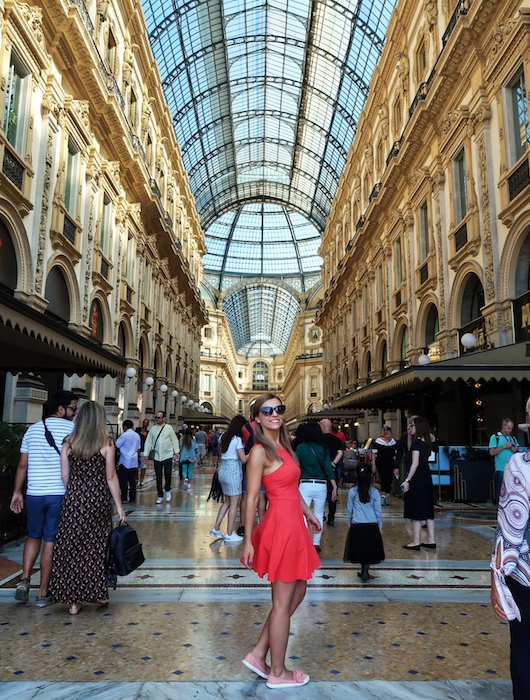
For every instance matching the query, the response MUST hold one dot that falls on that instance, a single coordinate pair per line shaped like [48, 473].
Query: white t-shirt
[44, 464]
[129, 445]
[236, 443]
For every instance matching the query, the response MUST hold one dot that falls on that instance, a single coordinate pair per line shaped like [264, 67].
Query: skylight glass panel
[259, 113]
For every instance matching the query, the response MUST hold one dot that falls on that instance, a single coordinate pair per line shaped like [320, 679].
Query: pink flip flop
[254, 665]
[299, 678]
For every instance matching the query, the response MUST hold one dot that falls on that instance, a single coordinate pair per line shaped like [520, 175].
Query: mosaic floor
[179, 625]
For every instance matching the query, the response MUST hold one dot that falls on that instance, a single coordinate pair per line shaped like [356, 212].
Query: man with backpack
[501, 446]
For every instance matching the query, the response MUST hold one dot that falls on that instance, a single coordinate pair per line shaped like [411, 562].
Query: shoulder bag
[152, 451]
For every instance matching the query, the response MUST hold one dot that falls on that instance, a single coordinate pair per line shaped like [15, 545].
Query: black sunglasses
[268, 410]
[73, 408]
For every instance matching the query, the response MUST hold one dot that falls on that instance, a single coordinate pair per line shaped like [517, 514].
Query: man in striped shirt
[40, 463]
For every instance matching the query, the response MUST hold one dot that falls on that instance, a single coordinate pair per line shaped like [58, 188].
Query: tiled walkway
[179, 626]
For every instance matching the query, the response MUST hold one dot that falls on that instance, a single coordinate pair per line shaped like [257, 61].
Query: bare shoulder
[257, 456]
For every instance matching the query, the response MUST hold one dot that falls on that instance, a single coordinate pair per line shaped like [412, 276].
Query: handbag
[152, 451]
[216, 490]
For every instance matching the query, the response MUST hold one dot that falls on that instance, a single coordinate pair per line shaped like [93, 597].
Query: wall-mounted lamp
[424, 359]
[174, 393]
[149, 382]
[326, 406]
[183, 399]
[468, 340]
[356, 423]
[130, 373]
[163, 388]
[190, 402]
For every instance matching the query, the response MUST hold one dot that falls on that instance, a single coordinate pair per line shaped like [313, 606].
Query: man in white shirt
[40, 463]
[129, 444]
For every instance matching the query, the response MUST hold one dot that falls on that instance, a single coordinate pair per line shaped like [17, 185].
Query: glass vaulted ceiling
[265, 96]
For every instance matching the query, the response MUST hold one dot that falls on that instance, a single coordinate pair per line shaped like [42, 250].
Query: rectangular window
[129, 264]
[71, 179]
[365, 304]
[16, 106]
[207, 332]
[423, 222]
[147, 282]
[460, 186]
[379, 283]
[518, 118]
[207, 382]
[104, 231]
[398, 262]
[354, 316]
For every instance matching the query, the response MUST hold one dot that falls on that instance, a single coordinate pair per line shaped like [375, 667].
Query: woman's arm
[65, 464]
[242, 457]
[112, 479]
[413, 467]
[255, 467]
[312, 521]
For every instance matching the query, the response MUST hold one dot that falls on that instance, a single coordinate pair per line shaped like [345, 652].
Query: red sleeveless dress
[283, 548]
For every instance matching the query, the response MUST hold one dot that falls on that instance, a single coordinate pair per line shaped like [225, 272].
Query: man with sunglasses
[40, 463]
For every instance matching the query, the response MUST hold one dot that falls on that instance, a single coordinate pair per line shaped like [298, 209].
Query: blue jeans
[499, 476]
[520, 641]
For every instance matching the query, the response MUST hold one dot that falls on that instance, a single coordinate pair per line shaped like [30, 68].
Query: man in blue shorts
[40, 463]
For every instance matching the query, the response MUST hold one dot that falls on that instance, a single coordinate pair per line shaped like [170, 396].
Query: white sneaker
[168, 495]
[159, 500]
[234, 537]
[216, 533]
[188, 486]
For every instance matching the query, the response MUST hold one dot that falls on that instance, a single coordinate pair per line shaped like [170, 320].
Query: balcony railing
[461, 237]
[461, 9]
[69, 229]
[424, 273]
[519, 180]
[13, 169]
[83, 12]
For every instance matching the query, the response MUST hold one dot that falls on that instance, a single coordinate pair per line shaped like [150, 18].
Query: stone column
[30, 396]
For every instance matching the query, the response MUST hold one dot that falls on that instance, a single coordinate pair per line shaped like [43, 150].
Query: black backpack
[124, 553]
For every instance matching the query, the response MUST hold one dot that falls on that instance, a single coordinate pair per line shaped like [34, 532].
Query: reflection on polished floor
[180, 625]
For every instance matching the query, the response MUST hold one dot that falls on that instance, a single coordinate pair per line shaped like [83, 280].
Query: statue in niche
[103, 9]
[384, 119]
[402, 69]
[127, 65]
[431, 14]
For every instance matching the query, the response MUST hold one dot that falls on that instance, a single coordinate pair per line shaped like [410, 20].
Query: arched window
[432, 325]
[522, 272]
[8, 260]
[122, 342]
[473, 300]
[260, 376]
[404, 346]
[56, 292]
[96, 322]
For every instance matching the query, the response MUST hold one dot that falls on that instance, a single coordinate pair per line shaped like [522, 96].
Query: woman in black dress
[417, 487]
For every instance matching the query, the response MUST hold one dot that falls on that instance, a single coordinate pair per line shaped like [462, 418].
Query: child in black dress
[364, 544]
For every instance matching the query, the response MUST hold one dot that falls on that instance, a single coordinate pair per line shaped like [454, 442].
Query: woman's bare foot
[75, 608]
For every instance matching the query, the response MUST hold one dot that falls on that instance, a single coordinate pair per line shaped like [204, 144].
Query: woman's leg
[520, 641]
[190, 470]
[232, 512]
[221, 514]
[416, 531]
[264, 643]
[430, 531]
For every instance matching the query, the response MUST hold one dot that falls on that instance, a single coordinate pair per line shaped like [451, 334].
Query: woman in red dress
[281, 545]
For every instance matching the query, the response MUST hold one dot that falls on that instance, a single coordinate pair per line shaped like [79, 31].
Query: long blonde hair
[259, 435]
[90, 431]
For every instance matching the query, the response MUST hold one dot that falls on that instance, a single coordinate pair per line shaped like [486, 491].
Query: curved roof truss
[266, 94]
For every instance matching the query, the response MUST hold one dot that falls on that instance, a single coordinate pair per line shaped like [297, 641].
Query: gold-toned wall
[434, 172]
[95, 188]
